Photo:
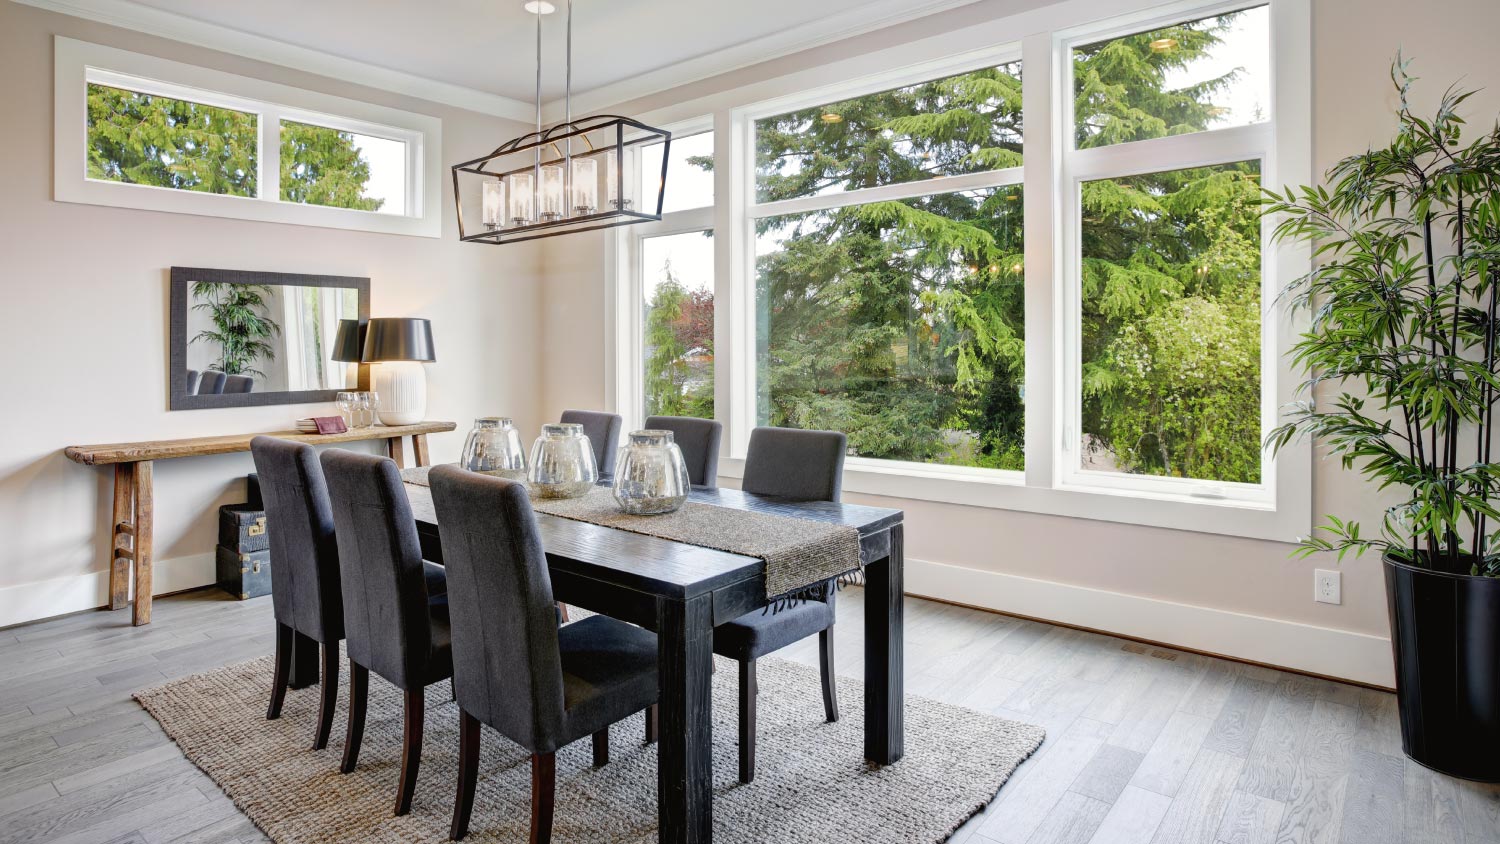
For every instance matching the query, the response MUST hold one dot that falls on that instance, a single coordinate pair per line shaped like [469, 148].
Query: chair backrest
[304, 553]
[193, 377]
[603, 430]
[506, 668]
[386, 619]
[238, 383]
[211, 384]
[699, 441]
[793, 463]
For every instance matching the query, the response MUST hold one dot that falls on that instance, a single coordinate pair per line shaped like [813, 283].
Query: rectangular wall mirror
[241, 338]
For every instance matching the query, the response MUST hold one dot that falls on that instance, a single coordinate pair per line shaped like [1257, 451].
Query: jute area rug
[812, 783]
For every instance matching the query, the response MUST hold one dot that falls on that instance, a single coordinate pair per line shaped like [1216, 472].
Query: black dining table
[682, 592]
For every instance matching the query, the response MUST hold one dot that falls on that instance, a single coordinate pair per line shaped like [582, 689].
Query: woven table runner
[802, 556]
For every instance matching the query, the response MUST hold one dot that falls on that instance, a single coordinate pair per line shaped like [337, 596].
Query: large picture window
[897, 320]
[1166, 271]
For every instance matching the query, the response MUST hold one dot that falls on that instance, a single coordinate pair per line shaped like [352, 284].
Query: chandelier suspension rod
[536, 164]
[568, 201]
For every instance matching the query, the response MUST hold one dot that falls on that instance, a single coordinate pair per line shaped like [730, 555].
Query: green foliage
[1171, 322]
[241, 324]
[1403, 305]
[679, 350]
[321, 166]
[142, 139]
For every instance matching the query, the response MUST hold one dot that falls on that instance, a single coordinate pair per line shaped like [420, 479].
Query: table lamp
[399, 346]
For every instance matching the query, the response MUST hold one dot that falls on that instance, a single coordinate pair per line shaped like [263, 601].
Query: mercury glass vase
[493, 447]
[651, 477]
[562, 462]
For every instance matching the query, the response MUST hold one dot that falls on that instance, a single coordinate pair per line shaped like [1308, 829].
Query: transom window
[160, 135]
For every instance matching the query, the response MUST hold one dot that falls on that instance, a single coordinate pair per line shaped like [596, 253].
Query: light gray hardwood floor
[1144, 744]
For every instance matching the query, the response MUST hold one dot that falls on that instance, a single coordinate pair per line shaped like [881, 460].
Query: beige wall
[85, 319]
[1354, 42]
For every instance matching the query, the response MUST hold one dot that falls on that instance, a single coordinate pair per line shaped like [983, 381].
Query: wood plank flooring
[1145, 745]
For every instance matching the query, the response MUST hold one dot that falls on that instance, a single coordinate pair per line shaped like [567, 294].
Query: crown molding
[877, 14]
[170, 25]
[870, 16]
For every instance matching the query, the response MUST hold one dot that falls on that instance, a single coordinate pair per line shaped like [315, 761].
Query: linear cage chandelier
[579, 175]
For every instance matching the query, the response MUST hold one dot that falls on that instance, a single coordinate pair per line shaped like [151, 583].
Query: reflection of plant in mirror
[241, 325]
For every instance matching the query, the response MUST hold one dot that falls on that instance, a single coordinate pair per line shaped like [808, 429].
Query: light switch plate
[1326, 587]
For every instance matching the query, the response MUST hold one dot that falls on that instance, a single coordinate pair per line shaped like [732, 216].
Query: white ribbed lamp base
[402, 387]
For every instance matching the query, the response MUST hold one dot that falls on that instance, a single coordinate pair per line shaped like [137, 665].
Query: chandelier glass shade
[578, 175]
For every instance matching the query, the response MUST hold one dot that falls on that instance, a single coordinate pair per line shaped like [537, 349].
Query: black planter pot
[1445, 634]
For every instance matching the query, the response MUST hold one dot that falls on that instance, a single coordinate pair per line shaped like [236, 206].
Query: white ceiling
[490, 45]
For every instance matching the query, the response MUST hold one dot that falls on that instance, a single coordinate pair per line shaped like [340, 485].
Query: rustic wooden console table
[130, 540]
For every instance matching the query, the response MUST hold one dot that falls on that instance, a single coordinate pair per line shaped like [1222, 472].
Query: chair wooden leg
[359, 697]
[411, 749]
[601, 748]
[830, 692]
[543, 791]
[329, 699]
[283, 672]
[651, 724]
[562, 612]
[747, 720]
[468, 774]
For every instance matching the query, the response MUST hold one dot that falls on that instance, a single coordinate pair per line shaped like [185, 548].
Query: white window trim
[1284, 514]
[78, 63]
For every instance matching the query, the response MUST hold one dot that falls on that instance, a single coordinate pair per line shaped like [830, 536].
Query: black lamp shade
[398, 338]
[347, 344]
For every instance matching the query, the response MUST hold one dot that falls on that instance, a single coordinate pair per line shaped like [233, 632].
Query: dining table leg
[685, 636]
[884, 681]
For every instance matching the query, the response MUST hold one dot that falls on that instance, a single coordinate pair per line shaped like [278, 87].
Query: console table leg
[121, 525]
[396, 446]
[419, 448]
[143, 551]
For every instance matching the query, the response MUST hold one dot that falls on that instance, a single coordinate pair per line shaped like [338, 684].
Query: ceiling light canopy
[578, 175]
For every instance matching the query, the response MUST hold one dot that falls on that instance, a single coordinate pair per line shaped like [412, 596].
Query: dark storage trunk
[246, 575]
[243, 528]
[1445, 634]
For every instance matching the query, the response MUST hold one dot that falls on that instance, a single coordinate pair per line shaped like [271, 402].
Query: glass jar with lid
[651, 477]
[493, 447]
[562, 462]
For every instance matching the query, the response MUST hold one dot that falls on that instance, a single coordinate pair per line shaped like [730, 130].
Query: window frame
[1283, 513]
[745, 417]
[77, 64]
[627, 341]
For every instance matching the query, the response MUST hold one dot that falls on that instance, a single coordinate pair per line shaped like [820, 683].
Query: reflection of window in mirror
[267, 338]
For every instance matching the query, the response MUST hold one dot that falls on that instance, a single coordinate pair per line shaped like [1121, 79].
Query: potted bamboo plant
[1401, 363]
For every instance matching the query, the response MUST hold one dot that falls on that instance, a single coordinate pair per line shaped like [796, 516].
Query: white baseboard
[1359, 657]
[63, 595]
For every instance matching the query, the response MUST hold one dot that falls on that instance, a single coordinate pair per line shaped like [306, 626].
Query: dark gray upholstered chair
[238, 383]
[699, 441]
[807, 466]
[390, 625]
[211, 384]
[603, 430]
[538, 684]
[193, 377]
[305, 594]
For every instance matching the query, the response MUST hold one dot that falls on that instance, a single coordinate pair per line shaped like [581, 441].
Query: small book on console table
[322, 425]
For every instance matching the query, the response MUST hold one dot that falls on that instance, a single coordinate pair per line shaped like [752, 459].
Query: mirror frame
[178, 339]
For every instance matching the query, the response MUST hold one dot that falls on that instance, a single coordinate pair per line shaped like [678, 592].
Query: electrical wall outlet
[1326, 587]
